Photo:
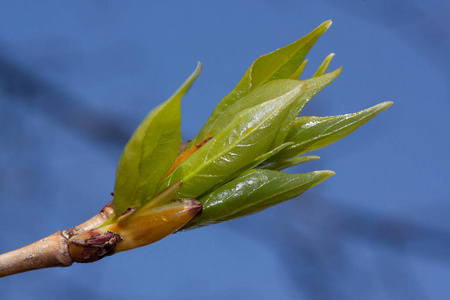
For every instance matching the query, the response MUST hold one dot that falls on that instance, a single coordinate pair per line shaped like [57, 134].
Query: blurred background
[76, 78]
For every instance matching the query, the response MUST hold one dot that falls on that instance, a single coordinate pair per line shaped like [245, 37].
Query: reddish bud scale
[183, 156]
[92, 245]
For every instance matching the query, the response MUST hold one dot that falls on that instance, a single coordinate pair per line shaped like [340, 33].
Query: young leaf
[324, 66]
[279, 64]
[311, 133]
[317, 84]
[249, 135]
[262, 158]
[270, 91]
[257, 161]
[290, 162]
[183, 156]
[161, 198]
[252, 192]
[150, 152]
[296, 75]
[314, 86]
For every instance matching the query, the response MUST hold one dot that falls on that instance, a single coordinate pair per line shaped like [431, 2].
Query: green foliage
[296, 75]
[282, 63]
[252, 192]
[249, 135]
[289, 162]
[233, 166]
[311, 133]
[150, 152]
[324, 66]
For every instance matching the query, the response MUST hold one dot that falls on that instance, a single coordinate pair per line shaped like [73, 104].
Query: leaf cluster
[234, 164]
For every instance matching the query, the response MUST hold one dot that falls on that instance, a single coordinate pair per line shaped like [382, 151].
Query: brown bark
[52, 251]
[89, 242]
[49, 252]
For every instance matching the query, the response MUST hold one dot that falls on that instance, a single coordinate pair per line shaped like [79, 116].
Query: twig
[89, 241]
[52, 251]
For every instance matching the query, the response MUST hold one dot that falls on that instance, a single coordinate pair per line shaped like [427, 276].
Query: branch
[89, 241]
[52, 251]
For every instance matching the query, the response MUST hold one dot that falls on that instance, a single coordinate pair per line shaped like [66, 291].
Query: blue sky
[76, 78]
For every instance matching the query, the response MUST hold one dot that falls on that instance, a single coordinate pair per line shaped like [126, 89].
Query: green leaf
[252, 192]
[262, 94]
[279, 64]
[290, 162]
[249, 135]
[314, 86]
[270, 91]
[317, 84]
[150, 152]
[162, 197]
[296, 75]
[324, 66]
[260, 159]
[311, 133]
[257, 161]
[159, 200]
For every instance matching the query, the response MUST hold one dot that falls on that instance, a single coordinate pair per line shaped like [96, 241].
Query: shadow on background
[319, 243]
[322, 243]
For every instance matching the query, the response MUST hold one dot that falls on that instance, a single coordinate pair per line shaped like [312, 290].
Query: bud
[147, 224]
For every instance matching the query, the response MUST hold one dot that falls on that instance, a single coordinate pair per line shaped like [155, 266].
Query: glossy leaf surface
[267, 92]
[249, 135]
[252, 192]
[289, 162]
[311, 133]
[313, 87]
[257, 161]
[150, 152]
[270, 91]
[279, 64]
[233, 166]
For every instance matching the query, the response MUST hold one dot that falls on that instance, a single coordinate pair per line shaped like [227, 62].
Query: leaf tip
[383, 106]
[199, 68]
[327, 24]
[388, 104]
[177, 185]
[338, 71]
[329, 173]
[301, 88]
[324, 175]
